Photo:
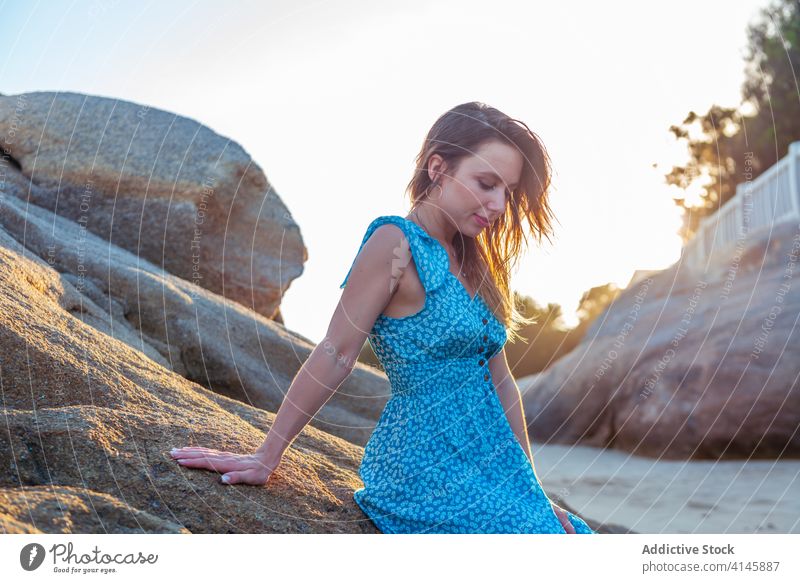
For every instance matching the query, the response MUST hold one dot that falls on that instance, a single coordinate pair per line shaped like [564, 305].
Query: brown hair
[489, 257]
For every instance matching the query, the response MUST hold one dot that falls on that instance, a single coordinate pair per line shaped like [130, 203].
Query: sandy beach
[668, 496]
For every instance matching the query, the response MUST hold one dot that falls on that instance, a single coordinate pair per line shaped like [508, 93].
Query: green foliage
[549, 338]
[766, 122]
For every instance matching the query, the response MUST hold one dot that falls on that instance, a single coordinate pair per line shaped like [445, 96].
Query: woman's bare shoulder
[378, 256]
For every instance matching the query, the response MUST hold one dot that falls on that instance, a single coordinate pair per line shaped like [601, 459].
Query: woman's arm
[315, 383]
[371, 284]
[511, 399]
[369, 288]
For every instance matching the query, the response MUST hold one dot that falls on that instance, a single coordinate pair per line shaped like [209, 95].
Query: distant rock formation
[686, 365]
[160, 185]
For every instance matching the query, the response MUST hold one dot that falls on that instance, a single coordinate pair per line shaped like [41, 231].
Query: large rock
[163, 186]
[69, 510]
[83, 409]
[685, 365]
[196, 333]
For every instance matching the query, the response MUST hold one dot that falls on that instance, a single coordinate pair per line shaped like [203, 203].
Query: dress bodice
[451, 326]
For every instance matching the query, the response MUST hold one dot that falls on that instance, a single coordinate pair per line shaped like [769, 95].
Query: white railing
[771, 198]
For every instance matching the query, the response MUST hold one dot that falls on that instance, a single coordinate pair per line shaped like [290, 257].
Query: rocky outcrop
[687, 365]
[162, 186]
[68, 510]
[83, 408]
[195, 333]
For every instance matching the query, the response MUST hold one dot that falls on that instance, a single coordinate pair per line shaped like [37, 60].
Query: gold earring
[440, 189]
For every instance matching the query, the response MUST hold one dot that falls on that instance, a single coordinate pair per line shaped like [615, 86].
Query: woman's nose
[497, 201]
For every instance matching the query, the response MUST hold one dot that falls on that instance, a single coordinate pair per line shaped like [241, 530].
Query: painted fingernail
[173, 450]
[226, 479]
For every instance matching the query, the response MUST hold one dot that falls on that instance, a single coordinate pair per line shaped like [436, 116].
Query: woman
[450, 453]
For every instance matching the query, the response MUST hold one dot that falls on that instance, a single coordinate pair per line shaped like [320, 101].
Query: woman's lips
[480, 220]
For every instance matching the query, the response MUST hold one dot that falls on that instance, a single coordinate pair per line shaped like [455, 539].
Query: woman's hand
[562, 516]
[236, 468]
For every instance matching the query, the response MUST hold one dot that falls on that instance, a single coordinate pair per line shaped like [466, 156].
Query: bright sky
[333, 100]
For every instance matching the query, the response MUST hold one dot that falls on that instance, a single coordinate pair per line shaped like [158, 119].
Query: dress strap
[429, 256]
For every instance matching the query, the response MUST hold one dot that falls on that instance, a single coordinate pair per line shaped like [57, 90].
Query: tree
[766, 122]
[595, 301]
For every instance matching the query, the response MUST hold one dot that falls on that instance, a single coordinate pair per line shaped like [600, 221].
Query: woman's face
[477, 194]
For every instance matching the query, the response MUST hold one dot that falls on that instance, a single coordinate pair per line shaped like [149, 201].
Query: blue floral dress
[443, 457]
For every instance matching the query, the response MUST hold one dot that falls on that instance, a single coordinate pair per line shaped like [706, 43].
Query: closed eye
[487, 188]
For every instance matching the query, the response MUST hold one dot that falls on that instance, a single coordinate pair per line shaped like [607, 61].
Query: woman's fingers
[231, 478]
[252, 476]
[564, 519]
[203, 455]
[220, 462]
[235, 468]
[216, 463]
[565, 522]
[192, 451]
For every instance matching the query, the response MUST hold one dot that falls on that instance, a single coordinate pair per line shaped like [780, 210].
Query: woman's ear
[435, 167]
